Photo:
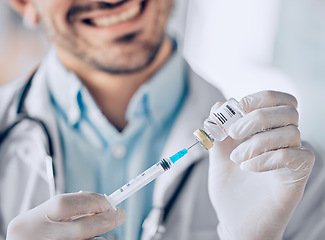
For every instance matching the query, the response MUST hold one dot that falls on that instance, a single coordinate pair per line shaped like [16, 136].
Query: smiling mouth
[106, 21]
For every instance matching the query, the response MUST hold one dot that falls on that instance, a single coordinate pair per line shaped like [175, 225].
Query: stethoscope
[22, 115]
[48, 150]
[158, 230]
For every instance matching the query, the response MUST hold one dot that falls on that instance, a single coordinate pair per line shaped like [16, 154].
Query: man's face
[115, 36]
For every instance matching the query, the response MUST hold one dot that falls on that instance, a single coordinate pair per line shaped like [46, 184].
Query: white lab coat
[25, 179]
[25, 175]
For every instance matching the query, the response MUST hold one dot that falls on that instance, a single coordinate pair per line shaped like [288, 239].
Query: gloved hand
[80, 215]
[257, 175]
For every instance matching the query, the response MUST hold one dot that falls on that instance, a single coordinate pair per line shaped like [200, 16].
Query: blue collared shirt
[99, 158]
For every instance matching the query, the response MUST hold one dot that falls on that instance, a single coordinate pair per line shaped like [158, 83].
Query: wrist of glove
[226, 235]
[80, 215]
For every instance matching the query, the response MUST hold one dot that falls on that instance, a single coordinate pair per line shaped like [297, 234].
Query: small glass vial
[216, 126]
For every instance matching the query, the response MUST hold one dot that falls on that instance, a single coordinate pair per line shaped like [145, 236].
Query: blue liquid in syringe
[144, 178]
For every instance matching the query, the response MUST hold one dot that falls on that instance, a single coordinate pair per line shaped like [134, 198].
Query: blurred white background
[20, 48]
[251, 45]
[241, 46]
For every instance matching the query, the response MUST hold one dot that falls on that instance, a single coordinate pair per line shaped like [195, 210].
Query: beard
[126, 54]
[124, 59]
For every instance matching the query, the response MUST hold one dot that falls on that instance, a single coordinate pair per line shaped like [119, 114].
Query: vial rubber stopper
[203, 138]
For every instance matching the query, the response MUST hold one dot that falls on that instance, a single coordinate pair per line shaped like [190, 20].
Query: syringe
[216, 127]
[144, 178]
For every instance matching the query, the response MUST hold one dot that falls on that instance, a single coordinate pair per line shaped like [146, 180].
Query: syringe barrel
[138, 182]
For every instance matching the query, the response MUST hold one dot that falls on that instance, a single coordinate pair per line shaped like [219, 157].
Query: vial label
[224, 117]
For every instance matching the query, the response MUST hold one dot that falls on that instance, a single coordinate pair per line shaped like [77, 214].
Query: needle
[192, 145]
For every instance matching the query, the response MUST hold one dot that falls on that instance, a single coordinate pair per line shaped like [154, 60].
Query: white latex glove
[257, 175]
[80, 215]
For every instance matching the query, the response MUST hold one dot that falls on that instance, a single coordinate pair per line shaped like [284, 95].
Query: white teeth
[122, 17]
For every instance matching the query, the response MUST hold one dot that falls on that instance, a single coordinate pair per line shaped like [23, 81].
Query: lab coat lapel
[201, 97]
[38, 105]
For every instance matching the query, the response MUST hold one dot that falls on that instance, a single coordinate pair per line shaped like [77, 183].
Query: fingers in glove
[90, 226]
[260, 143]
[267, 99]
[297, 159]
[65, 207]
[264, 119]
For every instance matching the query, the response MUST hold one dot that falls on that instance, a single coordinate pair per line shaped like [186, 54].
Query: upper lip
[98, 9]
